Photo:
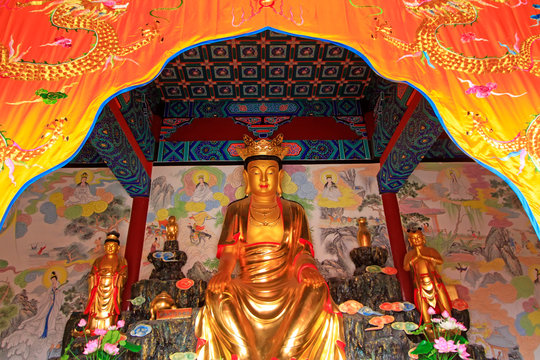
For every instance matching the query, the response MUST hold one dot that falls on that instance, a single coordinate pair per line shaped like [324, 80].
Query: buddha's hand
[312, 277]
[218, 283]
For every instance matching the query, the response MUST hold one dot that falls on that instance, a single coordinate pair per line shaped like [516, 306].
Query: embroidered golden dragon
[521, 145]
[93, 16]
[12, 154]
[437, 14]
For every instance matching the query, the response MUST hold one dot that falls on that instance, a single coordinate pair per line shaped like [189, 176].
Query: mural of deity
[202, 191]
[330, 190]
[82, 193]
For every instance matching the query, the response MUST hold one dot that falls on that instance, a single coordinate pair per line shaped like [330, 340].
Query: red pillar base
[134, 245]
[397, 243]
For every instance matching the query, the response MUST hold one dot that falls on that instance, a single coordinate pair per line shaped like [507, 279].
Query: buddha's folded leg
[312, 329]
[223, 329]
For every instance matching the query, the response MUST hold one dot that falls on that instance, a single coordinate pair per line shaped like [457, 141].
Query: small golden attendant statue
[172, 229]
[429, 288]
[363, 236]
[279, 306]
[105, 284]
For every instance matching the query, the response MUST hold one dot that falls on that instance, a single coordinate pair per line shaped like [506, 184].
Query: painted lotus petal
[387, 319]
[379, 322]
[398, 325]
[389, 270]
[373, 269]
[385, 306]
[183, 356]
[367, 311]
[460, 304]
[184, 284]
[375, 328]
[396, 306]
[141, 330]
[139, 300]
[410, 326]
[407, 306]
[350, 307]
[167, 256]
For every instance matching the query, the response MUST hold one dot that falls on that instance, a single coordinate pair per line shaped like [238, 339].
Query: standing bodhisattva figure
[429, 287]
[105, 284]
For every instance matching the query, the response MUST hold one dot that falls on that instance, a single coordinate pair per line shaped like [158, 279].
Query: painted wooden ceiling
[324, 98]
[265, 66]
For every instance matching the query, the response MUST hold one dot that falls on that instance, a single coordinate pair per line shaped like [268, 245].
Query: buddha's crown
[263, 147]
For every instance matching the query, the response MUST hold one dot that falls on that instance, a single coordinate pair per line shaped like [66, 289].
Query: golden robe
[266, 312]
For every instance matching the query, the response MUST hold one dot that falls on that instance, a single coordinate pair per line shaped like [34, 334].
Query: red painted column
[397, 243]
[134, 245]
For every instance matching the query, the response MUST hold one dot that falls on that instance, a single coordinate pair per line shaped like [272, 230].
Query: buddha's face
[417, 239]
[111, 247]
[263, 177]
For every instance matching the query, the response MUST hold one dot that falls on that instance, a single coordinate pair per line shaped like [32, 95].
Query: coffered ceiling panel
[262, 67]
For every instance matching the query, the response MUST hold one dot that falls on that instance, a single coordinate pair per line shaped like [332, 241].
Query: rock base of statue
[168, 337]
[168, 263]
[370, 289]
[149, 289]
[368, 255]
[177, 335]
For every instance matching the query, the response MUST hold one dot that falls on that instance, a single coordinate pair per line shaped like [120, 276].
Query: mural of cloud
[57, 199]
[27, 276]
[162, 214]
[346, 200]
[287, 185]
[73, 212]
[500, 223]
[20, 229]
[195, 206]
[299, 178]
[222, 199]
[240, 193]
[292, 169]
[494, 265]
[307, 191]
[523, 285]
[213, 204]
[48, 209]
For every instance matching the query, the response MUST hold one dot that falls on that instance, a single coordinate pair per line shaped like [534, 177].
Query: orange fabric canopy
[477, 61]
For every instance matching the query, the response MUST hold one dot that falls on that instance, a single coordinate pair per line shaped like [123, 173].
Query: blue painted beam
[112, 145]
[417, 137]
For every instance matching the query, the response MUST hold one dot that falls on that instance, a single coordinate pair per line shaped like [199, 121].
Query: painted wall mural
[198, 197]
[51, 237]
[469, 215]
[491, 252]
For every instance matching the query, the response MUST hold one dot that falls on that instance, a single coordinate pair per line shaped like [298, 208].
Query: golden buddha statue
[172, 229]
[429, 288]
[279, 306]
[105, 284]
[363, 236]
